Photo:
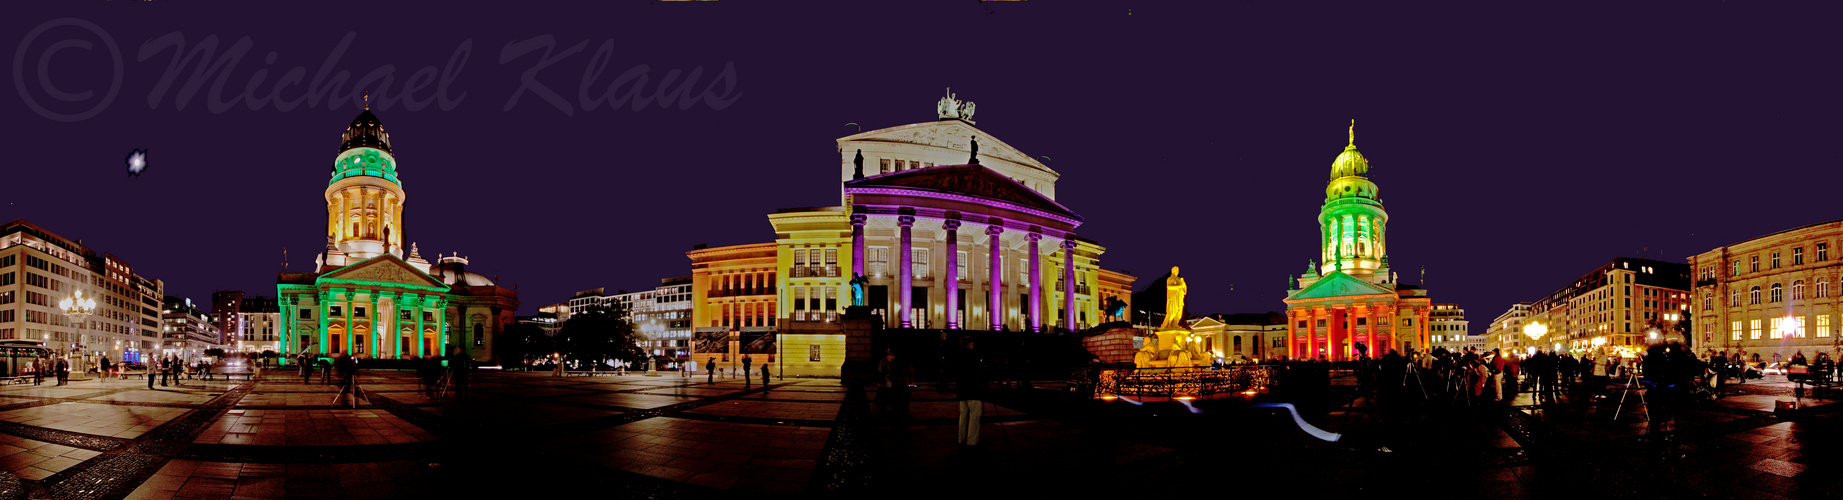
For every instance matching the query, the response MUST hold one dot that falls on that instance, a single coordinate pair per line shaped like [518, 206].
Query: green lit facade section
[365, 161]
[1352, 219]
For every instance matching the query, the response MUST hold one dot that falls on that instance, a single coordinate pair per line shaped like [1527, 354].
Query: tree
[599, 334]
[522, 343]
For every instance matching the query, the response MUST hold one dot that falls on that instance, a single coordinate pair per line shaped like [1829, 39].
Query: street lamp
[78, 307]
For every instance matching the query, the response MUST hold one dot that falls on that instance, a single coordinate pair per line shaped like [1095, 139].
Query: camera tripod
[1408, 370]
[1631, 381]
[352, 387]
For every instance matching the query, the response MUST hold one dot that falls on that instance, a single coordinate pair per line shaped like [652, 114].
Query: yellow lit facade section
[1789, 277]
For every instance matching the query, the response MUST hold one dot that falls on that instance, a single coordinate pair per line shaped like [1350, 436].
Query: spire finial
[368, 104]
[1353, 132]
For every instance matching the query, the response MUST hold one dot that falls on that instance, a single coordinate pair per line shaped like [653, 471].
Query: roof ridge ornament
[368, 101]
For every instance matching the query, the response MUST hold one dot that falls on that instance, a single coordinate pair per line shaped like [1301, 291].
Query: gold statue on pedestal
[1174, 347]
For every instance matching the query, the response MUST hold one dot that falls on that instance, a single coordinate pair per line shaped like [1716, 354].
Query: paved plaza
[634, 436]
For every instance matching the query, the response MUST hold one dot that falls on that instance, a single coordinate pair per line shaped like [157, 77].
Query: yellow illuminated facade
[1771, 296]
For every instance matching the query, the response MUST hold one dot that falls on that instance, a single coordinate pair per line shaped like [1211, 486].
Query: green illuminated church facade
[1348, 303]
[367, 295]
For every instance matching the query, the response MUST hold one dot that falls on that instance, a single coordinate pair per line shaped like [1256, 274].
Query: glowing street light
[1535, 330]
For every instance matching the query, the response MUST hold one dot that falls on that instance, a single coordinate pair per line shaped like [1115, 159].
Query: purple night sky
[1515, 149]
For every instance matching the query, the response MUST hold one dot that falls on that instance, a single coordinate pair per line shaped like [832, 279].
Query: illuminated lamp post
[78, 307]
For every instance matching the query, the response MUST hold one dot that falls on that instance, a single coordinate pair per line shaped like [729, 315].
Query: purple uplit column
[1036, 284]
[908, 274]
[953, 273]
[857, 245]
[1068, 282]
[995, 304]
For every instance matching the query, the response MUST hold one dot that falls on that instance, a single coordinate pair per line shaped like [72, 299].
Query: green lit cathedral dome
[364, 150]
[1351, 224]
[1350, 173]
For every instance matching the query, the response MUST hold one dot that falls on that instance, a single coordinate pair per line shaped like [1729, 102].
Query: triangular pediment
[1338, 284]
[950, 134]
[385, 270]
[1205, 323]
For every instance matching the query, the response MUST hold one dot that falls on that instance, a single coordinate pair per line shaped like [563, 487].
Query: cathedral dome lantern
[1352, 220]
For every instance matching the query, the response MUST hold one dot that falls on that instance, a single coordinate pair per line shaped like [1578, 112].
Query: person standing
[63, 370]
[347, 370]
[746, 370]
[147, 372]
[102, 364]
[38, 371]
[765, 375]
[307, 368]
[165, 367]
[326, 370]
[886, 382]
[970, 390]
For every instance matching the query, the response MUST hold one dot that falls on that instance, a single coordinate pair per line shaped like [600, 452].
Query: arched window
[1823, 288]
[1798, 290]
[1708, 300]
[1734, 297]
[1778, 293]
[479, 334]
[1753, 297]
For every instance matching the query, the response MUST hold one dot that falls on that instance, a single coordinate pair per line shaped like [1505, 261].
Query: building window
[1798, 290]
[920, 265]
[879, 260]
[1754, 264]
[1778, 329]
[358, 312]
[1823, 325]
[1777, 293]
[884, 165]
[1755, 332]
[831, 262]
[800, 263]
[1775, 260]
[1708, 301]
[960, 265]
[307, 314]
[1734, 331]
[1734, 297]
[1823, 252]
[1823, 288]
[333, 311]
[1753, 296]
[812, 353]
[1737, 269]
[1798, 256]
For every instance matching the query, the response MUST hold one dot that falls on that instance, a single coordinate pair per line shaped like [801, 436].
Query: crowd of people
[1473, 375]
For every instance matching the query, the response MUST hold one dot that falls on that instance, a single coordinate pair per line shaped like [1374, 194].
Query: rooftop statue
[975, 160]
[859, 161]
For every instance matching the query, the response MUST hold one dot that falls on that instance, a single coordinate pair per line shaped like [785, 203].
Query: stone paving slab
[98, 419]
